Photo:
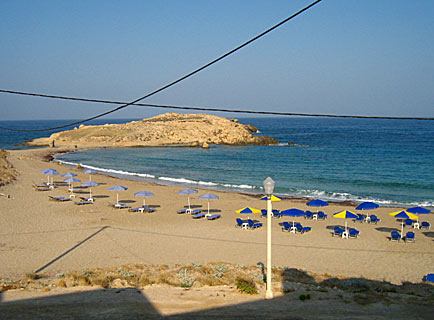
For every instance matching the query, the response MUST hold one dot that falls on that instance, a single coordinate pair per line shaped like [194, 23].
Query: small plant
[246, 286]
[304, 297]
[186, 281]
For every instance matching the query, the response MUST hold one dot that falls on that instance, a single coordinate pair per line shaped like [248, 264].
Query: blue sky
[341, 57]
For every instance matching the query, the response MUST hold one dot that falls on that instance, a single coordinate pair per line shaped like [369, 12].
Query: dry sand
[50, 237]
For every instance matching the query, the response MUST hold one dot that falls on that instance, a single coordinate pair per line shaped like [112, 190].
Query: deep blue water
[390, 161]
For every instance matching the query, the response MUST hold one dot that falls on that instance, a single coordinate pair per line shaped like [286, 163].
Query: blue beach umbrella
[208, 196]
[317, 203]
[144, 194]
[117, 188]
[418, 210]
[68, 175]
[49, 172]
[90, 184]
[188, 191]
[293, 213]
[90, 172]
[367, 206]
[70, 181]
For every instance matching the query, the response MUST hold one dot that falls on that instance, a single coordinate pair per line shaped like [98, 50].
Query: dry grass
[358, 290]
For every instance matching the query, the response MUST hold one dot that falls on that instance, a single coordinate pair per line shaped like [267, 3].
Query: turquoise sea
[388, 161]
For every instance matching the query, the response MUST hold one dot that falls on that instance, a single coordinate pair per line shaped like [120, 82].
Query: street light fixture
[269, 188]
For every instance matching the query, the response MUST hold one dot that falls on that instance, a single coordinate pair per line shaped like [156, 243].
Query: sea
[390, 162]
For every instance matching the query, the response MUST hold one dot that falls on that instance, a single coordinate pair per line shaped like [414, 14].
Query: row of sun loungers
[369, 219]
[409, 236]
[341, 232]
[248, 224]
[295, 227]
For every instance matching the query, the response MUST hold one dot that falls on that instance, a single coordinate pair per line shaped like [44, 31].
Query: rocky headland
[169, 129]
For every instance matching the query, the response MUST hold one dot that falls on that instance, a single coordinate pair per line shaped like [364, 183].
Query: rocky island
[169, 129]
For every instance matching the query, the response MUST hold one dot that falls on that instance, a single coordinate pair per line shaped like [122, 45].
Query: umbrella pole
[402, 227]
[117, 197]
[208, 207]
[188, 203]
[90, 193]
[144, 203]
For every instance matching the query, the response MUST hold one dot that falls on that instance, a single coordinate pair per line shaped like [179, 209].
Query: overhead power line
[228, 110]
[187, 75]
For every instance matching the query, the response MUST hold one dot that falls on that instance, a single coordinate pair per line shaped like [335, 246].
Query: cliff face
[163, 130]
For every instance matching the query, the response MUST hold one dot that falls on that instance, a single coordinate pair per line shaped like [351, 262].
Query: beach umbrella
[346, 214]
[208, 196]
[248, 210]
[188, 191]
[90, 184]
[403, 214]
[117, 188]
[418, 210]
[317, 203]
[68, 175]
[49, 172]
[90, 172]
[144, 194]
[273, 198]
[70, 181]
[367, 206]
[293, 213]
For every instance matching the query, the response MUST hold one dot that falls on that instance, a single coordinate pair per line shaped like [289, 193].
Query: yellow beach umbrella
[403, 214]
[346, 214]
[248, 210]
[273, 198]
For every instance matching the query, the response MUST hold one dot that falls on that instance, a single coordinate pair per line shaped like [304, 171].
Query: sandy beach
[48, 237]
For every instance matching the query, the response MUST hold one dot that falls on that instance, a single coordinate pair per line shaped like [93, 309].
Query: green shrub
[246, 286]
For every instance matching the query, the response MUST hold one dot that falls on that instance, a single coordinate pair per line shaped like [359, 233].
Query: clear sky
[353, 57]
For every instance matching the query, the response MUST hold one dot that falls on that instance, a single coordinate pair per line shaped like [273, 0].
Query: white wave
[239, 186]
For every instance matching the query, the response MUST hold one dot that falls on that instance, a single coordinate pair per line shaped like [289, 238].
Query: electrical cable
[210, 109]
[185, 76]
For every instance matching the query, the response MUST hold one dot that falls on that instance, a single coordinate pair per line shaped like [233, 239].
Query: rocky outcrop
[169, 129]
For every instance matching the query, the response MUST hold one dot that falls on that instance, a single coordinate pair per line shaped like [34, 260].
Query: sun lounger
[60, 199]
[286, 226]
[337, 231]
[276, 213]
[201, 215]
[395, 236]
[239, 223]
[306, 229]
[120, 205]
[374, 219]
[360, 218]
[142, 209]
[408, 222]
[87, 199]
[82, 202]
[197, 211]
[353, 233]
[212, 216]
[254, 225]
[182, 211]
[425, 225]
[429, 277]
[409, 236]
[309, 215]
[322, 215]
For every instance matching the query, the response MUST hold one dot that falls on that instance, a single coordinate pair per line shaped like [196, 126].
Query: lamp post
[269, 188]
